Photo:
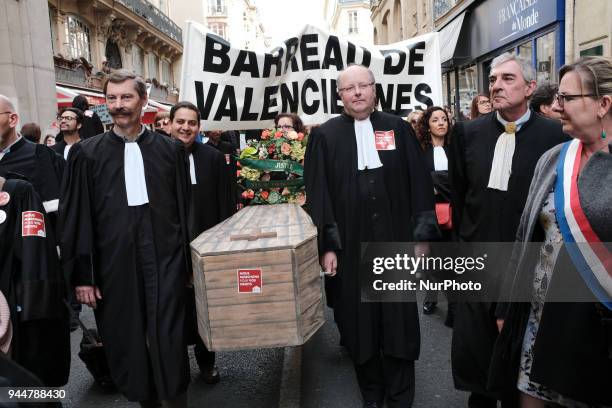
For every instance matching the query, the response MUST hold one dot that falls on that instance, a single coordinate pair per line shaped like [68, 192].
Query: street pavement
[249, 379]
[253, 378]
[328, 377]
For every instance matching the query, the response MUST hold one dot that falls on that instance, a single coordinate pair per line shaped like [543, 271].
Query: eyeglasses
[484, 102]
[414, 122]
[562, 98]
[353, 88]
[68, 118]
[6, 113]
[289, 127]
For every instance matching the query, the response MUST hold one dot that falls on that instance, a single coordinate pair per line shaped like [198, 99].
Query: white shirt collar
[367, 155]
[519, 122]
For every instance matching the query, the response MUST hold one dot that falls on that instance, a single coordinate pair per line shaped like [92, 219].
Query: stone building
[350, 19]
[91, 37]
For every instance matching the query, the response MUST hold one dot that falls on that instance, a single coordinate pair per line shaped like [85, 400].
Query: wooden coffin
[257, 279]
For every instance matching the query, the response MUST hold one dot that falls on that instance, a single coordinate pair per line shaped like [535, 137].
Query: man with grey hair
[124, 217]
[366, 182]
[491, 165]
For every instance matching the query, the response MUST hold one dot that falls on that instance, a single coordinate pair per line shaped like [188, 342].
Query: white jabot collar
[367, 156]
[501, 168]
[133, 169]
[192, 172]
[440, 159]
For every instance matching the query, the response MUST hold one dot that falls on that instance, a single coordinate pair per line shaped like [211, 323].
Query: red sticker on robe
[33, 224]
[385, 139]
[249, 281]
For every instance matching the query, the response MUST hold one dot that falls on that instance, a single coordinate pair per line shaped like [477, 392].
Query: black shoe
[372, 404]
[429, 307]
[210, 375]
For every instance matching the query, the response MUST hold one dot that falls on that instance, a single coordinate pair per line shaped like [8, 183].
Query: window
[525, 50]
[545, 51]
[52, 23]
[596, 51]
[217, 8]
[353, 26]
[163, 6]
[138, 60]
[218, 28]
[166, 75]
[153, 66]
[77, 34]
[468, 88]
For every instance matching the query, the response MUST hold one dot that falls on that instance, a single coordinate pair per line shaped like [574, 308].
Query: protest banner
[239, 89]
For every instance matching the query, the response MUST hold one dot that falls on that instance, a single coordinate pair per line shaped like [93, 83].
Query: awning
[448, 38]
[65, 95]
[160, 106]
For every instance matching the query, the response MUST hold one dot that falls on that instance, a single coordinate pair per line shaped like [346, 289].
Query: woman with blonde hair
[556, 346]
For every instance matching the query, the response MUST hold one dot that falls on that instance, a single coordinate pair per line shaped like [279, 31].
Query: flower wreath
[271, 169]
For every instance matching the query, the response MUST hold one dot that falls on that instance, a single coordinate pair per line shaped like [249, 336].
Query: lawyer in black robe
[39, 164]
[137, 256]
[212, 201]
[31, 280]
[212, 198]
[482, 214]
[385, 204]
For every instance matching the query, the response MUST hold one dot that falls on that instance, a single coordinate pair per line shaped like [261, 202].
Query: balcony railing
[155, 17]
[374, 3]
[216, 10]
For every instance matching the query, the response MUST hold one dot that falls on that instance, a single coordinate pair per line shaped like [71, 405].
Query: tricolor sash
[589, 255]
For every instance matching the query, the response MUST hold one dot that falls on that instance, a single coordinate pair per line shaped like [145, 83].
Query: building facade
[350, 19]
[26, 60]
[397, 20]
[238, 22]
[91, 37]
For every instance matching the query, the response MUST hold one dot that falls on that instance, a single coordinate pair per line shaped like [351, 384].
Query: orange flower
[237, 173]
[286, 149]
[250, 193]
[265, 134]
[300, 136]
[265, 195]
[278, 134]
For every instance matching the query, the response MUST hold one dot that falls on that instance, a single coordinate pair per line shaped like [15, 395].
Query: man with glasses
[39, 164]
[70, 122]
[366, 182]
[492, 162]
[125, 241]
[20, 158]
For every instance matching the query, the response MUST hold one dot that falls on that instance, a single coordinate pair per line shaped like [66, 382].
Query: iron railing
[155, 17]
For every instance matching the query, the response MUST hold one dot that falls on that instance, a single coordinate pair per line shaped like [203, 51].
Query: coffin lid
[291, 223]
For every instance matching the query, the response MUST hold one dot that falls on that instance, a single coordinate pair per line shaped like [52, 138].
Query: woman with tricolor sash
[555, 343]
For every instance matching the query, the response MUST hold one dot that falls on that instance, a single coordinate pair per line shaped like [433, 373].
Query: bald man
[39, 164]
[366, 182]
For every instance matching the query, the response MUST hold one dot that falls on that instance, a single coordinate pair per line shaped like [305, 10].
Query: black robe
[211, 202]
[102, 246]
[348, 206]
[212, 198]
[481, 214]
[230, 159]
[39, 164]
[31, 280]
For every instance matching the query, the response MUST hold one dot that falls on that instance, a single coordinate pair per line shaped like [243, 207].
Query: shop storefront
[532, 28]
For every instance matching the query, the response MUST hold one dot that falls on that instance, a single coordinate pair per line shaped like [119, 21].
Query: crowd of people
[105, 218]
